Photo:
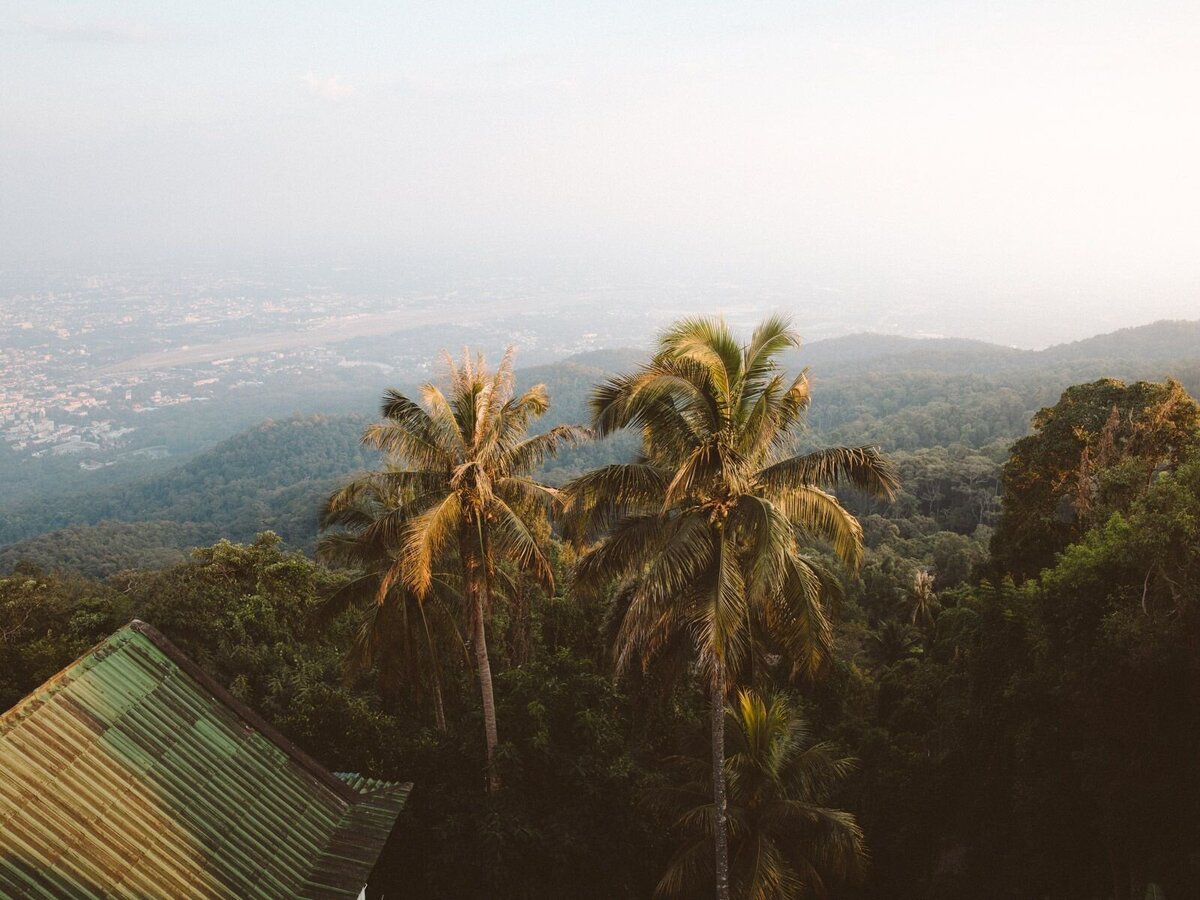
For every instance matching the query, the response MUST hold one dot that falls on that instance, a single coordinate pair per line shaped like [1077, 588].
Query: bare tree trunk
[475, 574]
[483, 666]
[720, 819]
[439, 708]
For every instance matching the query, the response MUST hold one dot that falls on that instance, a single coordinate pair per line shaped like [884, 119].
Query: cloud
[71, 30]
[326, 88]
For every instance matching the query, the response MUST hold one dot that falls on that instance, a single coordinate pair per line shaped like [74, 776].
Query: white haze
[1024, 171]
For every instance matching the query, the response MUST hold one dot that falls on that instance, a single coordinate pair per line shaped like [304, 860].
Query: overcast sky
[998, 152]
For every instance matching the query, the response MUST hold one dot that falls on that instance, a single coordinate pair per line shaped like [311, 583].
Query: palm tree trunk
[439, 708]
[483, 666]
[720, 823]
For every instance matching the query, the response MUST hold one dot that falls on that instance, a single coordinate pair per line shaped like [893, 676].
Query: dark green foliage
[1042, 741]
[109, 547]
[1122, 622]
[1091, 454]
[786, 841]
[575, 757]
[243, 612]
[1029, 738]
[48, 620]
[901, 394]
[568, 822]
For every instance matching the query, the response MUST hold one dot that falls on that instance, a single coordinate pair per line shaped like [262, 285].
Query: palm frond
[698, 468]
[597, 499]
[532, 452]
[796, 619]
[525, 492]
[348, 550]
[784, 841]
[450, 433]
[773, 335]
[631, 546]
[769, 541]
[512, 539]
[862, 467]
[757, 423]
[351, 504]
[414, 448]
[791, 408]
[691, 865]
[710, 344]
[427, 536]
[721, 626]
[660, 597]
[664, 395]
[358, 591]
[530, 405]
[818, 514]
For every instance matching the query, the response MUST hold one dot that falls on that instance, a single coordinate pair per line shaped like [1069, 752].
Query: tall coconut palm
[707, 528]
[786, 844]
[460, 464]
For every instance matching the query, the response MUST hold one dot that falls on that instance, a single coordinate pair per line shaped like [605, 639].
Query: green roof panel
[131, 773]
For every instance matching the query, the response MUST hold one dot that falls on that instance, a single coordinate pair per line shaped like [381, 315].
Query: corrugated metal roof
[131, 773]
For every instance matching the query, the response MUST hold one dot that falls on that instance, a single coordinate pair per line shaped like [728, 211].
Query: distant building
[131, 773]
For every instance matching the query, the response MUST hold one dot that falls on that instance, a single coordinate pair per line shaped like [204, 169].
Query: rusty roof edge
[54, 683]
[322, 775]
[367, 825]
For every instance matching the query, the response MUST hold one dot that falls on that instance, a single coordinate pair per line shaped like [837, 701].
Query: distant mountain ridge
[898, 392]
[1162, 341]
[1165, 340]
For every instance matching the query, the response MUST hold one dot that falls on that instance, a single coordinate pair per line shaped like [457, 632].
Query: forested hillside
[948, 408]
[1129, 350]
[269, 477]
[1008, 706]
[109, 547]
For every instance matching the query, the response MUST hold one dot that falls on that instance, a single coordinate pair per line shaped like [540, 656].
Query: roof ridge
[34, 699]
[242, 711]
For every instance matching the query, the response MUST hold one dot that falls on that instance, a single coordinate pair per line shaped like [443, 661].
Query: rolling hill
[904, 394]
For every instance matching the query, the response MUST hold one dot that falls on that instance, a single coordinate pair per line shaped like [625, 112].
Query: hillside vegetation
[943, 405]
[109, 547]
[996, 694]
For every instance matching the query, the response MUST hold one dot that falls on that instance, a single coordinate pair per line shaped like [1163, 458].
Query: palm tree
[893, 642]
[404, 638]
[922, 600]
[460, 465]
[786, 843]
[706, 528]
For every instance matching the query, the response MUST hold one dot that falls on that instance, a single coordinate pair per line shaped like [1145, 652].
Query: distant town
[87, 360]
[66, 385]
[82, 366]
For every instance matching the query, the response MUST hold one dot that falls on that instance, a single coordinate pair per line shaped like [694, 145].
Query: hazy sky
[993, 152]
